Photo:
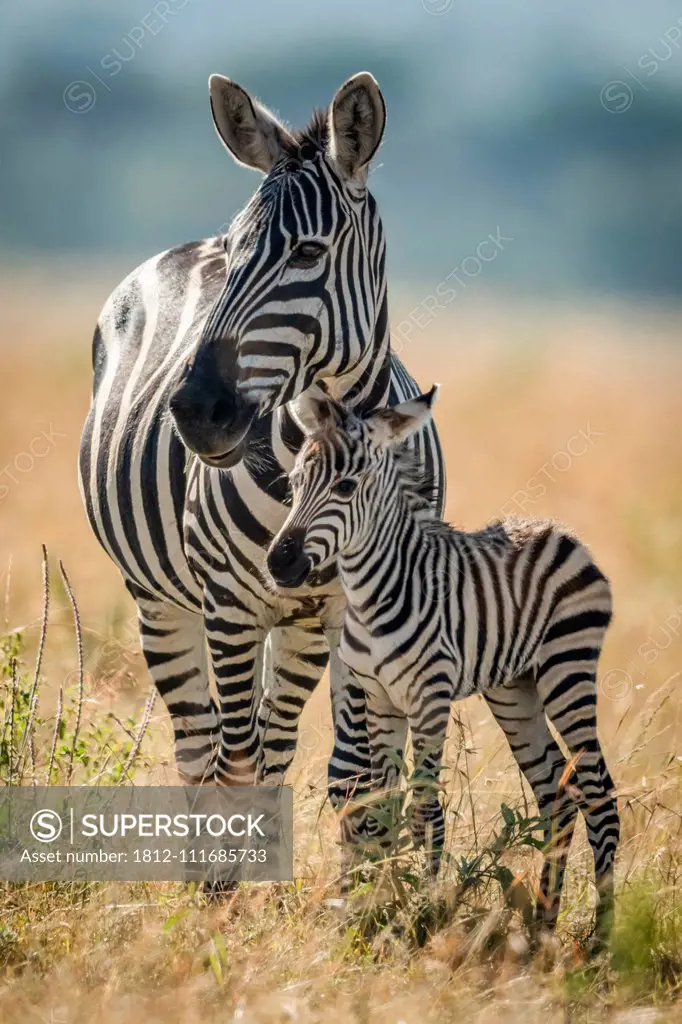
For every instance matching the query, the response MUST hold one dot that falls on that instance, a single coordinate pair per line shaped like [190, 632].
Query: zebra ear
[314, 410]
[253, 135]
[391, 426]
[357, 118]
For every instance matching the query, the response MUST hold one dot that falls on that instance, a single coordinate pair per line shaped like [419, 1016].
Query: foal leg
[349, 774]
[428, 725]
[518, 710]
[387, 729]
[569, 693]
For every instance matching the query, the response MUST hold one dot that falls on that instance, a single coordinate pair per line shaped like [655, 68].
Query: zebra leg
[387, 729]
[428, 726]
[296, 657]
[236, 646]
[518, 710]
[568, 690]
[174, 648]
[349, 776]
[349, 771]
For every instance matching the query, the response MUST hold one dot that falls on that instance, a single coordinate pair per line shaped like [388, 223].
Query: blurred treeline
[485, 131]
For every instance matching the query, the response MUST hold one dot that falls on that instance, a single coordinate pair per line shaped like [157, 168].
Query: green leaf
[508, 816]
[504, 876]
[174, 919]
[384, 818]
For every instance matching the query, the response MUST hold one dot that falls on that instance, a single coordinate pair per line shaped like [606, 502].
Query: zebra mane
[316, 132]
[421, 492]
[418, 485]
[308, 141]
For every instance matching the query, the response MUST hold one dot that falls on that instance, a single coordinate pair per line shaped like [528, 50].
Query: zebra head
[342, 476]
[305, 294]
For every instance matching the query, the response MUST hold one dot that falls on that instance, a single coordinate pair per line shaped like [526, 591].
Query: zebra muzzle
[287, 562]
[214, 421]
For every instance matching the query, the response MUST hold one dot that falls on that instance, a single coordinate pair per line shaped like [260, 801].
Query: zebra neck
[377, 565]
[365, 387]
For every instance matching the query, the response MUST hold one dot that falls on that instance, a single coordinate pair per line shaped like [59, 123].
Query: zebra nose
[287, 552]
[221, 411]
[287, 563]
[191, 406]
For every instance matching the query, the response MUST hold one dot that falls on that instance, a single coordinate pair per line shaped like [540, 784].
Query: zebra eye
[307, 254]
[345, 487]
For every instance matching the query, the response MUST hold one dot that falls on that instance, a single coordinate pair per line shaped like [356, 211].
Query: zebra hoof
[218, 891]
[545, 946]
[597, 946]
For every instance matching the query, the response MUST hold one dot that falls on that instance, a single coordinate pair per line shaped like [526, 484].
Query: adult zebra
[226, 332]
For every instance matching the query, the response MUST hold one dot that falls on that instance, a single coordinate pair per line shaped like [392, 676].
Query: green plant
[394, 891]
[71, 747]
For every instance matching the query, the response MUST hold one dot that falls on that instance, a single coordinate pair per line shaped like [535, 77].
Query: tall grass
[77, 745]
[435, 946]
[520, 382]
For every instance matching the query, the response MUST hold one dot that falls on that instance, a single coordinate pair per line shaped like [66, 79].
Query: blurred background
[530, 186]
[530, 189]
[559, 123]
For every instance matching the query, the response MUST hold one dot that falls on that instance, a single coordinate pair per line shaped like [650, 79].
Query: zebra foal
[516, 612]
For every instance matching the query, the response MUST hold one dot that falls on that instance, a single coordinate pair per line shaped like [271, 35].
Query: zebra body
[191, 434]
[516, 612]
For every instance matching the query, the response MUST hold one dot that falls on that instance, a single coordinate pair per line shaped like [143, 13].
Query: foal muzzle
[287, 562]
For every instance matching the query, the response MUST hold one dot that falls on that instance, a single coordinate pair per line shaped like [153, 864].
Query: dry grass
[516, 388]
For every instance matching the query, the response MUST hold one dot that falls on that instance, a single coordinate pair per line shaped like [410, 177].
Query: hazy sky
[495, 117]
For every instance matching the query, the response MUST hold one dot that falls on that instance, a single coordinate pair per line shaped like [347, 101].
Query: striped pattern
[189, 537]
[294, 327]
[516, 612]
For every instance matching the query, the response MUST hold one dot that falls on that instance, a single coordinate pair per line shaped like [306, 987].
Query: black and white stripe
[226, 332]
[516, 612]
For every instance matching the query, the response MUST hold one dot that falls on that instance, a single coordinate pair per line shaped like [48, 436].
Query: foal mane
[416, 483]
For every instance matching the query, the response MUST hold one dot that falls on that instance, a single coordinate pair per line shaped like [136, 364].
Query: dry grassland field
[572, 412]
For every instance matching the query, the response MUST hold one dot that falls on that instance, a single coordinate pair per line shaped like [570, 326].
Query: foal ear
[314, 411]
[391, 426]
[357, 117]
[251, 132]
